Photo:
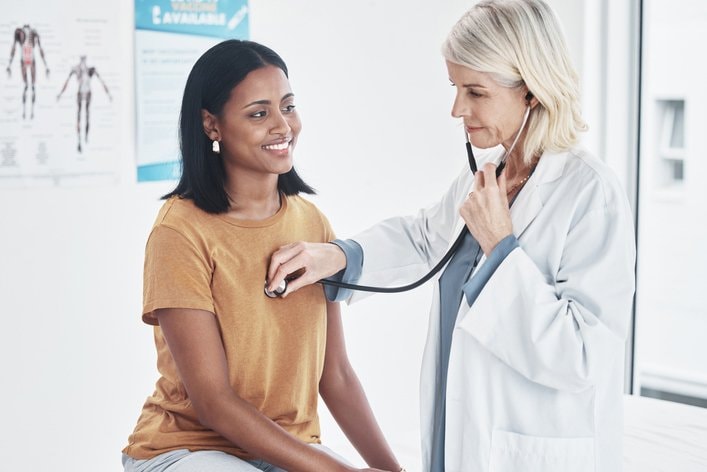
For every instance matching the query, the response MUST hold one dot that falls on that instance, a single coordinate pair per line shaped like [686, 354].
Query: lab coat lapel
[529, 201]
[525, 209]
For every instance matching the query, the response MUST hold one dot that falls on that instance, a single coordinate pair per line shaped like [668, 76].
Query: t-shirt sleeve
[177, 274]
[329, 234]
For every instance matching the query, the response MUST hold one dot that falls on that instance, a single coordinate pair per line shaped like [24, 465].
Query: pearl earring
[216, 147]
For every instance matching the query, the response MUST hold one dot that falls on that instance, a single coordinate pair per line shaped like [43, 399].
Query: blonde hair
[520, 42]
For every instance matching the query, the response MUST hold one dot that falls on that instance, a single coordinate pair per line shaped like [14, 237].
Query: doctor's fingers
[282, 255]
[481, 205]
[315, 260]
[489, 175]
[292, 270]
[478, 180]
[301, 278]
[502, 183]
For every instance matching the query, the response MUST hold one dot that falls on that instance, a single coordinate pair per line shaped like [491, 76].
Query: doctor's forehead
[463, 76]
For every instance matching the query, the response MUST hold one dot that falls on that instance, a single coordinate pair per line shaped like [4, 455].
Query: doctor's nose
[460, 109]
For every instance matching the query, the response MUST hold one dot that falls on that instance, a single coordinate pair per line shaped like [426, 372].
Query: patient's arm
[346, 400]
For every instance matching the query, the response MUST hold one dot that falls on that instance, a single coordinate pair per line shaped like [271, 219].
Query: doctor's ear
[530, 99]
[210, 124]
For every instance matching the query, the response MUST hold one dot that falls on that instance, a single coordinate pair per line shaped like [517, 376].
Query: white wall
[378, 140]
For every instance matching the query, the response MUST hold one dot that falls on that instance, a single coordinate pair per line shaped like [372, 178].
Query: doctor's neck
[515, 164]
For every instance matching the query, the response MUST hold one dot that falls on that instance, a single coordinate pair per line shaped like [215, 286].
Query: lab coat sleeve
[473, 287]
[399, 250]
[349, 274]
[567, 330]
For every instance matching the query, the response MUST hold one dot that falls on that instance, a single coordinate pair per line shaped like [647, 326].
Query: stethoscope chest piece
[279, 290]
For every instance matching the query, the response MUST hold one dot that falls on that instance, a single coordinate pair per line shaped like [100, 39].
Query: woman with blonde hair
[523, 366]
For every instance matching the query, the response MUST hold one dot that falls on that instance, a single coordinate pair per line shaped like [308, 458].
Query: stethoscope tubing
[452, 250]
[402, 288]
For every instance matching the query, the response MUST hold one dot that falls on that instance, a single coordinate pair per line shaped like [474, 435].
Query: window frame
[611, 77]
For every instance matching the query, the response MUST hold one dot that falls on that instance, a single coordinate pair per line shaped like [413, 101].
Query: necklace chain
[523, 181]
[518, 185]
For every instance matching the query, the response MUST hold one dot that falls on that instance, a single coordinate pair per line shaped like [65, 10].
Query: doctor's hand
[316, 260]
[486, 211]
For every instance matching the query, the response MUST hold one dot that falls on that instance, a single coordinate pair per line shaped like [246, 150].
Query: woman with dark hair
[241, 372]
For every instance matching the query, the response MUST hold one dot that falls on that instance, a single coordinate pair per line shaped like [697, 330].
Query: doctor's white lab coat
[536, 367]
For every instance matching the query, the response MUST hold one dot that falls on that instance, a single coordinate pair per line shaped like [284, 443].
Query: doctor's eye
[289, 108]
[258, 114]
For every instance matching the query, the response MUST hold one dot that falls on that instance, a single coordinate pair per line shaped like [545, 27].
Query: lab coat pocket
[513, 452]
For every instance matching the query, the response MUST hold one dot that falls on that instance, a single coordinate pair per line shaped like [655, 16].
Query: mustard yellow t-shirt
[274, 347]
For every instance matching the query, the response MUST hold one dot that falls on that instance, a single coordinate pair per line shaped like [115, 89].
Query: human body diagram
[28, 39]
[83, 74]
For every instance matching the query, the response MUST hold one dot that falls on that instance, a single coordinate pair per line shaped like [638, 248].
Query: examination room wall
[378, 140]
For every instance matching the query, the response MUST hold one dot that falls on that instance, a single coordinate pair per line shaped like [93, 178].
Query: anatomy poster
[60, 87]
[170, 36]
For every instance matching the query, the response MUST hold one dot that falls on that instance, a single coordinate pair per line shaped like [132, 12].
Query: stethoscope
[282, 288]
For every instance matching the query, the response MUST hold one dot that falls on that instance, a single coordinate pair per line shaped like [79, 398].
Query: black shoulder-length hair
[208, 87]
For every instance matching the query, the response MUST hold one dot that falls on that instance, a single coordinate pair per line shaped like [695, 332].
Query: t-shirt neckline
[269, 221]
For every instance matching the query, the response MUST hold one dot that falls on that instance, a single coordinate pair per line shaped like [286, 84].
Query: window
[671, 142]
[670, 356]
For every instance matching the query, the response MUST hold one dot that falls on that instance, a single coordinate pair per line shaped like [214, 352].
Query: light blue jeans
[183, 460]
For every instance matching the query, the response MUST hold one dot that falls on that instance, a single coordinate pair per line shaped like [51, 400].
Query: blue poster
[170, 35]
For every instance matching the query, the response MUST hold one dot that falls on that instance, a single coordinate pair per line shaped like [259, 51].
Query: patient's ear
[210, 125]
